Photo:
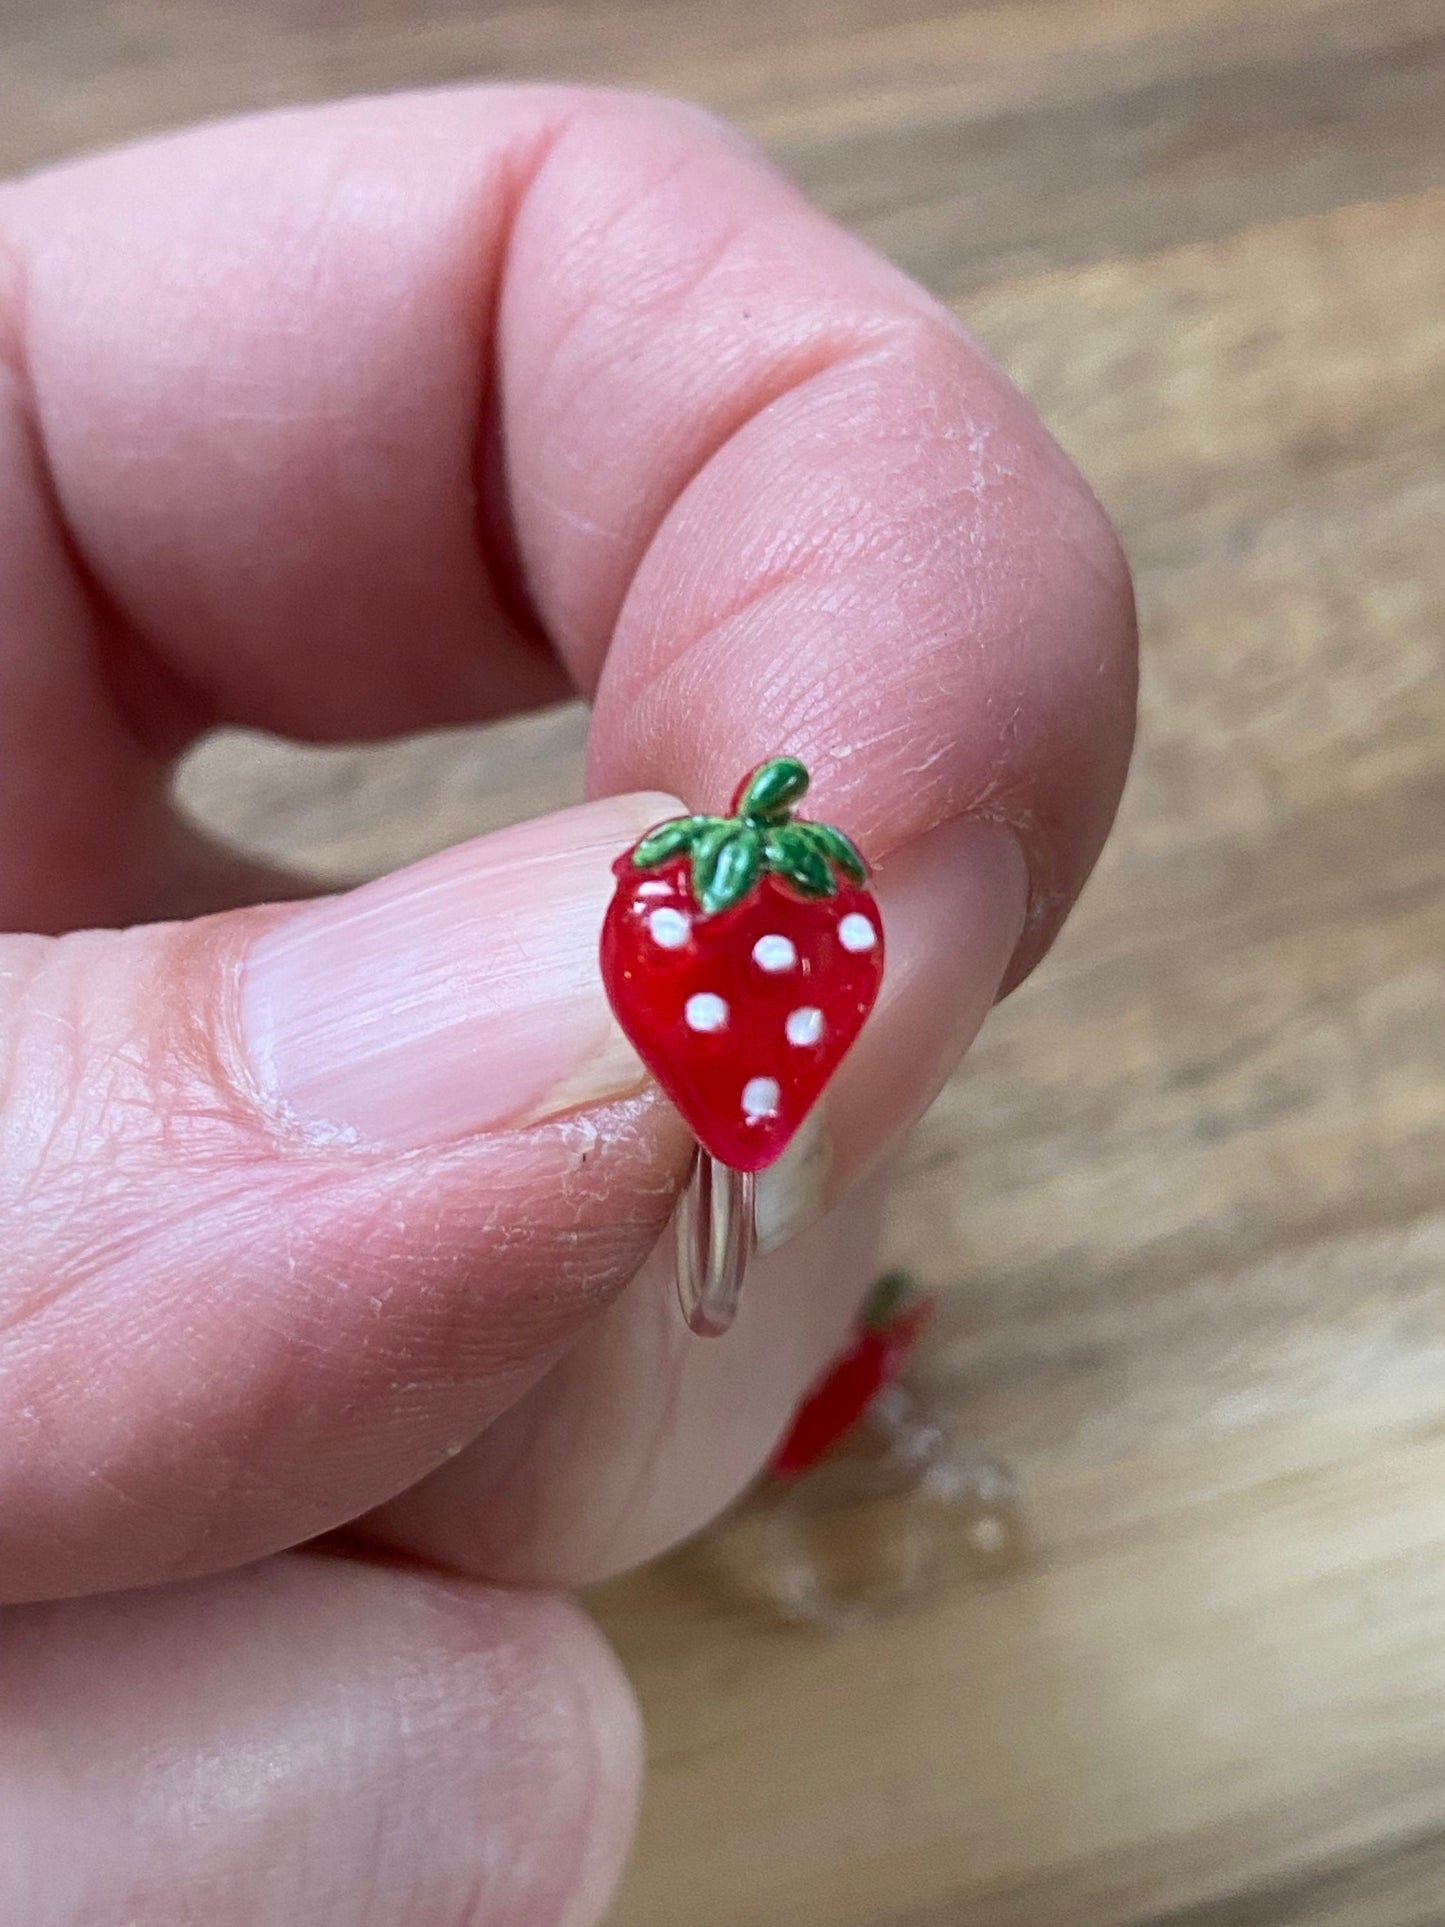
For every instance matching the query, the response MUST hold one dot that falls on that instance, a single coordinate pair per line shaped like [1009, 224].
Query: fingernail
[458, 996]
[953, 905]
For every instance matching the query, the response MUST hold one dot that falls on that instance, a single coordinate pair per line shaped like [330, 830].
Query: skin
[373, 418]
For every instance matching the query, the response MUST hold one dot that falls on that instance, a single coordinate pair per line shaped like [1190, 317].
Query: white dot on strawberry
[804, 1025]
[669, 929]
[856, 933]
[773, 953]
[761, 1096]
[705, 1011]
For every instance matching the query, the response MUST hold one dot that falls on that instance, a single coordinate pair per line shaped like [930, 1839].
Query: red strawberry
[883, 1342]
[741, 955]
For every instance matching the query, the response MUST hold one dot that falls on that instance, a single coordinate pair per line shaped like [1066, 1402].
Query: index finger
[336, 403]
[770, 494]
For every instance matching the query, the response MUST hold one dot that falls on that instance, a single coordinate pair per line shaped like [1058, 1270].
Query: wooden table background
[1186, 1200]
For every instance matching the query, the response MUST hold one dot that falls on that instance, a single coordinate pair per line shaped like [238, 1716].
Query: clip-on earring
[741, 955]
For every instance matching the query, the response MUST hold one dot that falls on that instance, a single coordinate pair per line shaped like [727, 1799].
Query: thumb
[296, 1199]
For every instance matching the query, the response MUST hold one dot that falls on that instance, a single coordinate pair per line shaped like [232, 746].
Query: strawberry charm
[741, 955]
[884, 1340]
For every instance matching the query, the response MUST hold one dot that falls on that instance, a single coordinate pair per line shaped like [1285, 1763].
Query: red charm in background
[741, 955]
[884, 1340]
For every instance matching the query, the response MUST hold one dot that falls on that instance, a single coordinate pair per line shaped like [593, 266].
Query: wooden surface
[1188, 1199]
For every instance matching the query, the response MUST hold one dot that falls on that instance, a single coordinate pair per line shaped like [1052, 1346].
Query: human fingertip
[455, 997]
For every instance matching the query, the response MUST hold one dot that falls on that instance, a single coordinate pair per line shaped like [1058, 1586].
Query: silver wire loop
[715, 1232]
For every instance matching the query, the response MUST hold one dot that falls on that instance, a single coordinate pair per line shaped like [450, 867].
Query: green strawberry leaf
[888, 1297]
[773, 788]
[703, 852]
[792, 853]
[725, 868]
[839, 849]
[669, 839]
[727, 855]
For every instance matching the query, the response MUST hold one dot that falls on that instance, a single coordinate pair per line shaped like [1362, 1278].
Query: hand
[360, 420]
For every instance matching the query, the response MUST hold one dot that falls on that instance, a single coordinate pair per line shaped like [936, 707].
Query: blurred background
[1186, 1202]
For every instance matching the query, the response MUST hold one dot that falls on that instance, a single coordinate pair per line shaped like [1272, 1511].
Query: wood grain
[1186, 1201]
